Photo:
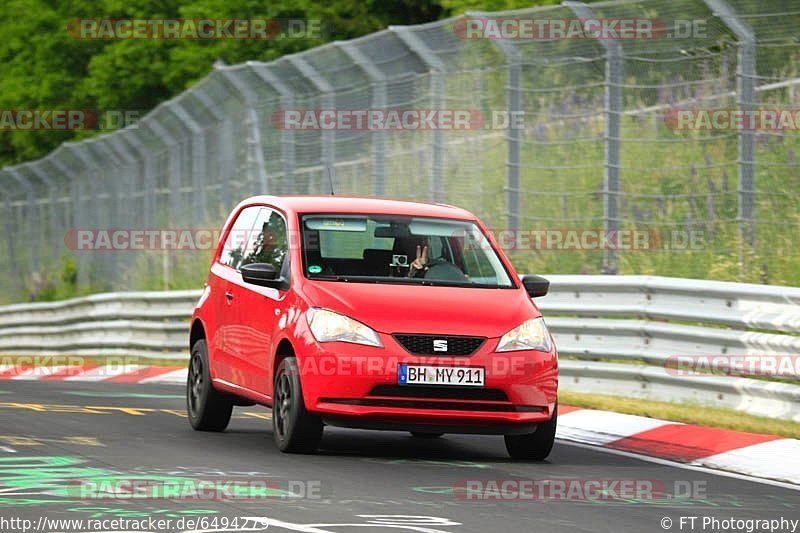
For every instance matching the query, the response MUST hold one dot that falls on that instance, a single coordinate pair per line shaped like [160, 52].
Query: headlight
[327, 326]
[530, 335]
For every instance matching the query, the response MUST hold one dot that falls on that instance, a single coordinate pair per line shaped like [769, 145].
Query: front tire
[534, 446]
[294, 429]
[207, 408]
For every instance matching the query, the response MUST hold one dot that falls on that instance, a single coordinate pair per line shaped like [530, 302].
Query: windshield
[400, 249]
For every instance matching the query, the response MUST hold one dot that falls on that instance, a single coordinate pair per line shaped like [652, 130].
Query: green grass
[686, 413]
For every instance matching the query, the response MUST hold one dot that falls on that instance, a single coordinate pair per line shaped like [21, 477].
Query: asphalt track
[66, 447]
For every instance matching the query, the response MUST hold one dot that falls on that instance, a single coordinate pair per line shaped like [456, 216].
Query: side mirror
[263, 274]
[536, 286]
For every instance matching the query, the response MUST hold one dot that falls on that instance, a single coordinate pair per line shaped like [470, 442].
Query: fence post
[174, 175]
[328, 102]
[127, 182]
[746, 96]
[54, 208]
[9, 235]
[30, 199]
[80, 211]
[287, 134]
[173, 181]
[198, 166]
[129, 141]
[224, 144]
[117, 201]
[123, 150]
[437, 69]
[513, 133]
[614, 79]
[90, 180]
[378, 80]
[122, 185]
[12, 232]
[254, 125]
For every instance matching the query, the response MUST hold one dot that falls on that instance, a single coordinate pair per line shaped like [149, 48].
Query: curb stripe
[9, 371]
[69, 372]
[141, 374]
[687, 443]
[776, 459]
[176, 376]
[102, 373]
[39, 372]
[601, 427]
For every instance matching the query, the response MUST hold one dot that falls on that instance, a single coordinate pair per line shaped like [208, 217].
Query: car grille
[447, 393]
[445, 345]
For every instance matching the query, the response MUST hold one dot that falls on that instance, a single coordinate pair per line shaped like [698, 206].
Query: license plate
[472, 376]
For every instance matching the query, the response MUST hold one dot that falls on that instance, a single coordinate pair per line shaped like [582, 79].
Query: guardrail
[636, 319]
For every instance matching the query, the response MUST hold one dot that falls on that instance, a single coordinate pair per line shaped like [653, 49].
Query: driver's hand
[420, 263]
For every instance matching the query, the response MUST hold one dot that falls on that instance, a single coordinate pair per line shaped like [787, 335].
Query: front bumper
[357, 386]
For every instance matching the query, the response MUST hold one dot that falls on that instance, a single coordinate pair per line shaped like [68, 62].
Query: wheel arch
[282, 351]
[196, 333]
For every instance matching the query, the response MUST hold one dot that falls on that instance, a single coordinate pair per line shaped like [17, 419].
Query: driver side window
[268, 242]
[237, 243]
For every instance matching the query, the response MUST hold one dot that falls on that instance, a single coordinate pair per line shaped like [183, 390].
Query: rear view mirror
[536, 286]
[263, 274]
[396, 231]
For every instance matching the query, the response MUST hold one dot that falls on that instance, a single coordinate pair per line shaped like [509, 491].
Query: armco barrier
[640, 319]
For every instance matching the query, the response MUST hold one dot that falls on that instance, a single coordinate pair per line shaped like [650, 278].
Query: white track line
[693, 467]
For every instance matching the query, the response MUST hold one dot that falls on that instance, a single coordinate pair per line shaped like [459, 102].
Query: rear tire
[207, 408]
[534, 446]
[425, 435]
[294, 429]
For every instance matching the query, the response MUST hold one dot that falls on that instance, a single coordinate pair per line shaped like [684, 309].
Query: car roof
[361, 205]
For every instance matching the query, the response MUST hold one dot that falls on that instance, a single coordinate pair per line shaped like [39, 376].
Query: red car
[375, 314]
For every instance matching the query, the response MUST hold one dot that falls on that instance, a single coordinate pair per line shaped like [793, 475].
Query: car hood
[390, 308]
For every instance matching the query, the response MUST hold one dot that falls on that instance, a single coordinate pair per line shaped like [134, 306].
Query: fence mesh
[595, 148]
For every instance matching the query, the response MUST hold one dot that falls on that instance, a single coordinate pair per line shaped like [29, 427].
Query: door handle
[229, 295]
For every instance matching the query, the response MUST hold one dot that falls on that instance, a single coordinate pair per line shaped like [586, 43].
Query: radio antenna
[330, 177]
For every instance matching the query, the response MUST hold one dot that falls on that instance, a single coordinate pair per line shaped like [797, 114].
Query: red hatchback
[374, 314]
